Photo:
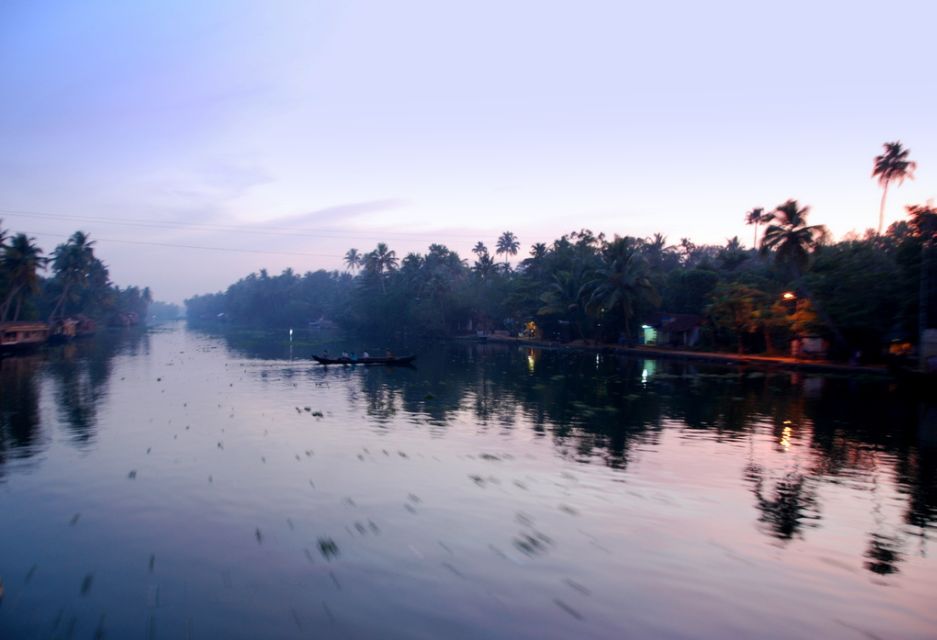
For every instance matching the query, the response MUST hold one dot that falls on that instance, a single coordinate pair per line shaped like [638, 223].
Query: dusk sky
[281, 134]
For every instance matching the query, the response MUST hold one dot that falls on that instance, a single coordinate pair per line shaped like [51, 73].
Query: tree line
[859, 293]
[78, 283]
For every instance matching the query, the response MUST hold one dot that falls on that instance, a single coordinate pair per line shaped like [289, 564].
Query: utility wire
[271, 231]
[192, 246]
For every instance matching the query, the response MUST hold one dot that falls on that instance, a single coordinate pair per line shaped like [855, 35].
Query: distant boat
[387, 361]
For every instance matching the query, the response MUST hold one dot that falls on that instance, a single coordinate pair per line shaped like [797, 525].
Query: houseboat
[16, 336]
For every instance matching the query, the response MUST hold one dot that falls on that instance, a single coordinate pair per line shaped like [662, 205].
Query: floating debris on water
[453, 570]
[568, 609]
[86, 584]
[132, 475]
[532, 544]
[74, 519]
[578, 587]
[328, 548]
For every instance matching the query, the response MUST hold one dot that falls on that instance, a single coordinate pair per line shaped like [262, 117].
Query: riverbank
[711, 356]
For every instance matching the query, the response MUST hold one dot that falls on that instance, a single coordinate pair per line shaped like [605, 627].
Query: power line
[270, 231]
[192, 246]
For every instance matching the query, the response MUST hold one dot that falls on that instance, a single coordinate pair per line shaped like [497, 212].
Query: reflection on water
[176, 483]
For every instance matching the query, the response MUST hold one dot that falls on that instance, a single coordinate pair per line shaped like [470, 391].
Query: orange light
[789, 295]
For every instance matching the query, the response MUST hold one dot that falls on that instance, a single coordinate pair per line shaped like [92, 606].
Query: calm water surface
[176, 484]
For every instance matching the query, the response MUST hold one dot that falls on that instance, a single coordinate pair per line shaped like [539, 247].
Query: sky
[198, 142]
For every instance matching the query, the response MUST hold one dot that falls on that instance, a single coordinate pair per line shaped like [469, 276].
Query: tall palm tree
[508, 244]
[381, 261]
[621, 281]
[790, 237]
[72, 263]
[353, 260]
[756, 216]
[480, 249]
[893, 164]
[22, 259]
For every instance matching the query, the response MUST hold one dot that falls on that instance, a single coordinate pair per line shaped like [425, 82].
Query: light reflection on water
[175, 484]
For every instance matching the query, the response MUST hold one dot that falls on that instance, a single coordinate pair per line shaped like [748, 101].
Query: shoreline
[712, 356]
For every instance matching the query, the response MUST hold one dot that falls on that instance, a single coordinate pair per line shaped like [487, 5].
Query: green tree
[22, 260]
[621, 282]
[892, 165]
[353, 260]
[508, 244]
[755, 217]
[72, 263]
[380, 263]
[791, 238]
[736, 310]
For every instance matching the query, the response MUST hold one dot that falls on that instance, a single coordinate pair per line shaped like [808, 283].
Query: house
[673, 330]
[809, 347]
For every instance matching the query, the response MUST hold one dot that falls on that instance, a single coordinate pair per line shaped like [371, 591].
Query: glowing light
[530, 362]
[644, 376]
[785, 441]
[789, 295]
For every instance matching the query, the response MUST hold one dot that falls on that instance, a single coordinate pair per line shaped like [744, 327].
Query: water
[176, 484]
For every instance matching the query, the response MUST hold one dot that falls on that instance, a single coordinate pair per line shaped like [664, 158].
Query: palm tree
[563, 297]
[893, 164]
[480, 249]
[484, 266]
[508, 244]
[756, 216]
[538, 250]
[621, 281]
[790, 237]
[72, 263]
[22, 259]
[353, 260]
[380, 261]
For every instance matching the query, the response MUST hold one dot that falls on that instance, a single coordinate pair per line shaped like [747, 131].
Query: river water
[177, 484]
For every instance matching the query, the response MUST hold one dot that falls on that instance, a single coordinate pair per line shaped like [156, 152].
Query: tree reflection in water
[883, 554]
[19, 407]
[80, 372]
[604, 409]
[787, 506]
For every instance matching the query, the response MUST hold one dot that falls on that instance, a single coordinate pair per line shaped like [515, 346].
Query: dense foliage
[78, 283]
[859, 293]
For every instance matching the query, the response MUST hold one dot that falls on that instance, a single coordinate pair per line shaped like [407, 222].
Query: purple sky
[308, 128]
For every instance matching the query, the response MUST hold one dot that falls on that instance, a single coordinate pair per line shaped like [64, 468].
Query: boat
[18, 336]
[390, 361]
